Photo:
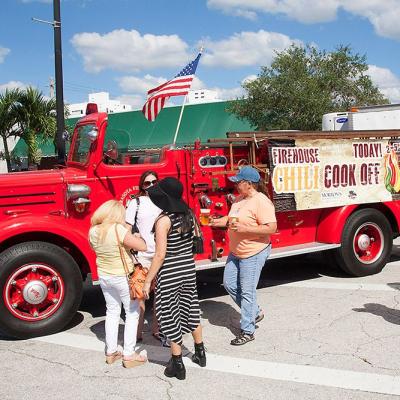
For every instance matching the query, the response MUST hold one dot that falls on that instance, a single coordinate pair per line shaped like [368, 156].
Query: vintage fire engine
[333, 192]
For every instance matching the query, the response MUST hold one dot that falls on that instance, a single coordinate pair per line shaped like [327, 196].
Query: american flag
[178, 86]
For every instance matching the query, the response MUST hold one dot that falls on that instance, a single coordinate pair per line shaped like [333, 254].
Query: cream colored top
[251, 211]
[108, 259]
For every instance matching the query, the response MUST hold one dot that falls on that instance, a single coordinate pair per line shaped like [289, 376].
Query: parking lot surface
[325, 336]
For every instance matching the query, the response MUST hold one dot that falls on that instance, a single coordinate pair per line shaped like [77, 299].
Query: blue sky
[126, 47]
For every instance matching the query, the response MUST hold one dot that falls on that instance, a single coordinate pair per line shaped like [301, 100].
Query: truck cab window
[119, 149]
[80, 151]
[116, 144]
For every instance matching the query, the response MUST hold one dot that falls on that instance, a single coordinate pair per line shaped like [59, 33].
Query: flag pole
[182, 108]
[179, 121]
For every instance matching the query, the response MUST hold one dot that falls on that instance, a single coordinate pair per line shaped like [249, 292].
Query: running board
[275, 253]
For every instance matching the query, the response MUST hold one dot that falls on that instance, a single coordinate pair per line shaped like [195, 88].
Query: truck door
[121, 165]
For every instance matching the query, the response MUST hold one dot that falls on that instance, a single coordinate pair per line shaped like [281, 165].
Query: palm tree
[8, 119]
[35, 115]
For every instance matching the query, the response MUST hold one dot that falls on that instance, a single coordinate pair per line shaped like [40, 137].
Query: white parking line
[344, 379]
[314, 284]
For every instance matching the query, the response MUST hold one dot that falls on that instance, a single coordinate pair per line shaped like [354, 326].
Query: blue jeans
[241, 277]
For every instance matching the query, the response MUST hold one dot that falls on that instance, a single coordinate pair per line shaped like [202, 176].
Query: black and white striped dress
[177, 303]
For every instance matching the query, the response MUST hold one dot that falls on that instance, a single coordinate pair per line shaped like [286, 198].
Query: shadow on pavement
[92, 300]
[388, 314]
[76, 320]
[394, 285]
[221, 314]
[395, 256]
[275, 273]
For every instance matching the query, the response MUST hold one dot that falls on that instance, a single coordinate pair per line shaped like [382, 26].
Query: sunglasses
[147, 184]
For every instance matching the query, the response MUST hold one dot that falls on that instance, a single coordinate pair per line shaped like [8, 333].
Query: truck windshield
[82, 144]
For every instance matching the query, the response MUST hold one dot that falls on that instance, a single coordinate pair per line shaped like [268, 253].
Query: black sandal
[260, 316]
[243, 338]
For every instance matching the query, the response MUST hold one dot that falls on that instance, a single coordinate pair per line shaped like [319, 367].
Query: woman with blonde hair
[107, 234]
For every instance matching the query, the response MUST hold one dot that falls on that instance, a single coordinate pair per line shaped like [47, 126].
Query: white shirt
[147, 214]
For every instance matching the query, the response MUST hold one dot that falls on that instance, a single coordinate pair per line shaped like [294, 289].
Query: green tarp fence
[204, 121]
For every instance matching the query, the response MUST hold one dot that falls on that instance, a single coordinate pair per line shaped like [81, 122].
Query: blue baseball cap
[246, 173]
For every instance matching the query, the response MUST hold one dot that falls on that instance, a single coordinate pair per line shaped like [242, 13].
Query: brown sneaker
[111, 358]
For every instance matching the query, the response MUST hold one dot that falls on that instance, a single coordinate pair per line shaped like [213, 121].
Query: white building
[104, 104]
[11, 144]
[202, 96]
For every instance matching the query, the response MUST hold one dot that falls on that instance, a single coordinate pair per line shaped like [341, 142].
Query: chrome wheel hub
[364, 242]
[34, 292]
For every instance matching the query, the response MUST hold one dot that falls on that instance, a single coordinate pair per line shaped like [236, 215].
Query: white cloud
[229, 93]
[129, 51]
[135, 89]
[129, 84]
[135, 100]
[249, 78]
[245, 49]
[197, 84]
[13, 85]
[235, 92]
[38, 1]
[307, 11]
[387, 82]
[3, 53]
[383, 15]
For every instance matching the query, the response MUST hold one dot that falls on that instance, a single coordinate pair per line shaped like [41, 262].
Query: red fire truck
[333, 192]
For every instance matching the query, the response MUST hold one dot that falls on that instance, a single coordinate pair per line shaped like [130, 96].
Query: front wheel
[366, 244]
[41, 287]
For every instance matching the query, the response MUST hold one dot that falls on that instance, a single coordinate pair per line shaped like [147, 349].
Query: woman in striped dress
[177, 303]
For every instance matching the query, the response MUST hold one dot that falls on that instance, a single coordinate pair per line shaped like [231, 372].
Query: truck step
[276, 253]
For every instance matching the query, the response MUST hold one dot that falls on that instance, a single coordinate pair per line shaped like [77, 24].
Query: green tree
[304, 83]
[36, 121]
[8, 120]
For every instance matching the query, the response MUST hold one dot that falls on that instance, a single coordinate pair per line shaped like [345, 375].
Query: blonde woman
[108, 224]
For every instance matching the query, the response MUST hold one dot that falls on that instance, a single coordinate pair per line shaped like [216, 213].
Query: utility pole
[60, 134]
[60, 140]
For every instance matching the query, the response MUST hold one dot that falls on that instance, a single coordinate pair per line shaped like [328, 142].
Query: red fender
[331, 223]
[394, 207]
[56, 225]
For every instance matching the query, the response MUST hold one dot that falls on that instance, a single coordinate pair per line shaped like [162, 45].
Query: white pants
[115, 290]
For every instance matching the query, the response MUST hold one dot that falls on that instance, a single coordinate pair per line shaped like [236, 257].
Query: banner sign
[320, 173]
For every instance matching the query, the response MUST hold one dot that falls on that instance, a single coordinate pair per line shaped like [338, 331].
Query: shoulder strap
[121, 253]
[137, 209]
[197, 230]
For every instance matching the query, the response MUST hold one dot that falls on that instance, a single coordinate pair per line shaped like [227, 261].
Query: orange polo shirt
[251, 211]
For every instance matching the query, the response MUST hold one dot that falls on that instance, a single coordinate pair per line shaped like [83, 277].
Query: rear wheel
[41, 287]
[366, 244]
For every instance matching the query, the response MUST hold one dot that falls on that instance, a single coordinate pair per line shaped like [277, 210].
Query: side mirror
[111, 150]
[92, 135]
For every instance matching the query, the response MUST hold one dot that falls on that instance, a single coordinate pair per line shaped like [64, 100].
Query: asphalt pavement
[324, 336]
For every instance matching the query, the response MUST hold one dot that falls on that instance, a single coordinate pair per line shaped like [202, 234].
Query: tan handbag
[135, 279]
